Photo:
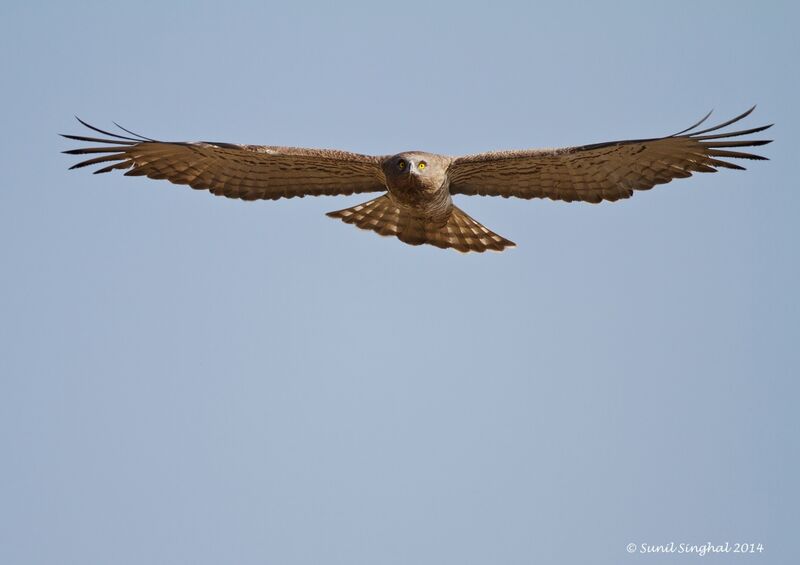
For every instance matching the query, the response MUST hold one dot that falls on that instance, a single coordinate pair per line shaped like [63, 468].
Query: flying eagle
[416, 205]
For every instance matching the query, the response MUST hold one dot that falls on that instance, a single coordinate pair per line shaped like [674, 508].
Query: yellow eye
[421, 165]
[401, 165]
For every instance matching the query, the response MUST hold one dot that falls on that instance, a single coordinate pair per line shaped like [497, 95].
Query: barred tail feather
[461, 232]
[466, 234]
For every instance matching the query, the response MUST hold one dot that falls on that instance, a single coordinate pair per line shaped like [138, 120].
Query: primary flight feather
[417, 206]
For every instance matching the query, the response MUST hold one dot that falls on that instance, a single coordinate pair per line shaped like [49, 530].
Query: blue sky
[191, 379]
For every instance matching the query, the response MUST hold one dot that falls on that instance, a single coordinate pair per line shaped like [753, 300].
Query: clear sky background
[191, 379]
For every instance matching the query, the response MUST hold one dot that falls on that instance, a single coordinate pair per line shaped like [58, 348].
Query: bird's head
[416, 169]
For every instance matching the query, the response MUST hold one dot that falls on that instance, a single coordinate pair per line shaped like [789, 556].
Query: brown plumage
[417, 207]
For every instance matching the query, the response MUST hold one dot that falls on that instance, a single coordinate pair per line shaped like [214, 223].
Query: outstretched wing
[603, 171]
[248, 172]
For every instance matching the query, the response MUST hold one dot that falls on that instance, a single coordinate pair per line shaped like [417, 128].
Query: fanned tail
[461, 232]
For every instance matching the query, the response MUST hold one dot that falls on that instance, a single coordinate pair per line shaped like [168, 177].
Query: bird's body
[417, 206]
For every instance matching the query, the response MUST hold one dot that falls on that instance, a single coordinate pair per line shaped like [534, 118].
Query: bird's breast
[421, 196]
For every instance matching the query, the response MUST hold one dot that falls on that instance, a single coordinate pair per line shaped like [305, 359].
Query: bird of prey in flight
[416, 205]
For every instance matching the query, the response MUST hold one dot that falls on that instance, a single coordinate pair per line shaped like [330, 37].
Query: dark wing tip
[690, 128]
[141, 137]
[720, 126]
[724, 124]
[138, 138]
